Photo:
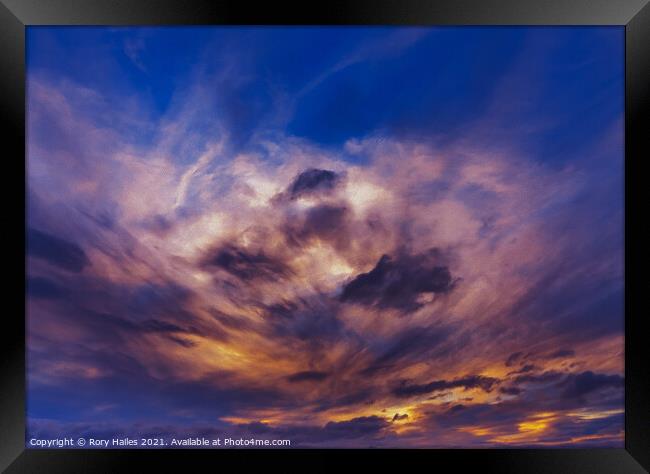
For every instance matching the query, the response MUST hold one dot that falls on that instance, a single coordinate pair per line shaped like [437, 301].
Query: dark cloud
[579, 385]
[230, 321]
[355, 428]
[510, 390]
[314, 321]
[325, 222]
[247, 265]
[544, 377]
[471, 381]
[398, 282]
[410, 345]
[513, 358]
[148, 298]
[44, 288]
[524, 369]
[181, 341]
[363, 429]
[567, 303]
[155, 325]
[521, 357]
[308, 376]
[174, 332]
[56, 251]
[439, 395]
[158, 224]
[356, 397]
[311, 181]
[117, 328]
[561, 354]
[282, 310]
[107, 313]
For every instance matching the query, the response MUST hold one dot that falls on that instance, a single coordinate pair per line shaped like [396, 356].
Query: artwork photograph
[325, 237]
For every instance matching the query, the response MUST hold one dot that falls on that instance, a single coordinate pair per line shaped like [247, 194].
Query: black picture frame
[15, 15]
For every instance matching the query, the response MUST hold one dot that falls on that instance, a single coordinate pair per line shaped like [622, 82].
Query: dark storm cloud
[579, 385]
[308, 376]
[56, 251]
[398, 282]
[247, 265]
[312, 181]
[472, 381]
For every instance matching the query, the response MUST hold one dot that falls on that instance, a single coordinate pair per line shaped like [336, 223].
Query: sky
[341, 236]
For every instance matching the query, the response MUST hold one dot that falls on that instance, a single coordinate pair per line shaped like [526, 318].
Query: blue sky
[565, 83]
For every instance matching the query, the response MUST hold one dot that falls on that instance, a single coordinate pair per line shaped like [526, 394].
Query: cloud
[584, 383]
[246, 265]
[313, 181]
[524, 369]
[510, 390]
[398, 282]
[561, 354]
[44, 288]
[544, 377]
[410, 346]
[467, 382]
[56, 251]
[326, 223]
[356, 427]
[133, 49]
[513, 358]
[308, 376]
[204, 267]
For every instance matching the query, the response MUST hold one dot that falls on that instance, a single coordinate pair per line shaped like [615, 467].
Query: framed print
[365, 233]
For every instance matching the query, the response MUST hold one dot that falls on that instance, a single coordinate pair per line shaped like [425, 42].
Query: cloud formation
[219, 256]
